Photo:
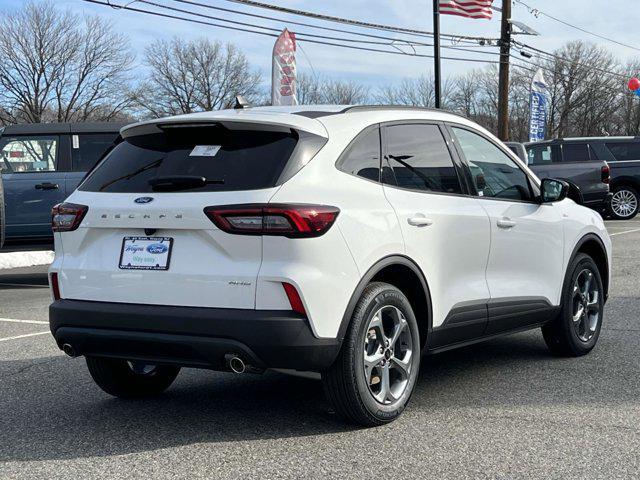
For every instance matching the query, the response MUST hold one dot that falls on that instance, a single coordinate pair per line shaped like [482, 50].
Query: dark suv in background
[576, 161]
[41, 165]
[621, 154]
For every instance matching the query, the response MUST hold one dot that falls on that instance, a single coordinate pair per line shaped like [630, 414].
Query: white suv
[344, 241]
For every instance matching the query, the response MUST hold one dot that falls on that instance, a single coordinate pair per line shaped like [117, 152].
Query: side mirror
[552, 190]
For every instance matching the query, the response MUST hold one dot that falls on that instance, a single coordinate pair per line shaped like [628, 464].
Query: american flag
[467, 8]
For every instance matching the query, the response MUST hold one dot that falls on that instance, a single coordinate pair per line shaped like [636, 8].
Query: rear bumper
[190, 336]
[599, 202]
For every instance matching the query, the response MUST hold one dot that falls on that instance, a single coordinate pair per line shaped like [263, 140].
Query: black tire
[118, 378]
[345, 384]
[629, 193]
[562, 334]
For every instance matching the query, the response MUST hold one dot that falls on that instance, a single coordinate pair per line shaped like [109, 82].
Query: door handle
[419, 221]
[47, 186]
[506, 223]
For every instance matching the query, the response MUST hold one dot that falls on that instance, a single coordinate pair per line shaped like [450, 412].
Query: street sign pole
[436, 52]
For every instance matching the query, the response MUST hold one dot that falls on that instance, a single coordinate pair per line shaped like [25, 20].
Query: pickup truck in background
[573, 160]
[623, 156]
[40, 165]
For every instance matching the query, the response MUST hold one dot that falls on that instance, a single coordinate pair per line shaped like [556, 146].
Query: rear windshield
[227, 159]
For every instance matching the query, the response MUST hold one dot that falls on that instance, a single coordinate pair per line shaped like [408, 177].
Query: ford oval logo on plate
[157, 248]
[144, 200]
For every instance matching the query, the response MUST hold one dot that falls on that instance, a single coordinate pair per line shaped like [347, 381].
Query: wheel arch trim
[376, 268]
[624, 180]
[589, 237]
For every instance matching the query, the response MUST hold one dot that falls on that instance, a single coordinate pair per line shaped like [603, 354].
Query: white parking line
[14, 320]
[622, 233]
[23, 336]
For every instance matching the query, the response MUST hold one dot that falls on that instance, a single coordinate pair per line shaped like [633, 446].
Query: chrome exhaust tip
[237, 365]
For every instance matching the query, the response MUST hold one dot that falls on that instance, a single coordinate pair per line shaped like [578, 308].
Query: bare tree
[317, 89]
[193, 76]
[309, 89]
[57, 66]
[418, 92]
[588, 94]
[627, 116]
[466, 96]
[344, 92]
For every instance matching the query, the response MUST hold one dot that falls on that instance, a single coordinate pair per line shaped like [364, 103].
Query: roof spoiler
[233, 119]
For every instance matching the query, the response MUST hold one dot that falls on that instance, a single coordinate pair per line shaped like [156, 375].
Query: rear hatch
[145, 238]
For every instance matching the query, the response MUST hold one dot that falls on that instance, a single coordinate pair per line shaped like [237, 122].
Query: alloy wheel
[624, 203]
[388, 355]
[586, 305]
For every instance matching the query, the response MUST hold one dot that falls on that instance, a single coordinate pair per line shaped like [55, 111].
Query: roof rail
[353, 108]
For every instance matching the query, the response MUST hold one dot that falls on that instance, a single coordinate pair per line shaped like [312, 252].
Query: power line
[272, 29]
[389, 41]
[536, 12]
[553, 72]
[348, 21]
[274, 35]
[303, 24]
[563, 59]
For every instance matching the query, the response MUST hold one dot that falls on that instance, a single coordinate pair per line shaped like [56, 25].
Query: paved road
[504, 409]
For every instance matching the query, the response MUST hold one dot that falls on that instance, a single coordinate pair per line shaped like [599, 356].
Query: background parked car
[41, 164]
[574, 161]
[623, 155]
[518, 149]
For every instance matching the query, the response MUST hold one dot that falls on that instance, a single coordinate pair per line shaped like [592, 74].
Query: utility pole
[436, 52]
[503, 82]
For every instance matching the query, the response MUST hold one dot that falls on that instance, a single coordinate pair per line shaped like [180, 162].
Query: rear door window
[24, 154]
[625, 151]
[540, 155]
[227, 160]
[420, 159]
[88, 148]
[575, 152]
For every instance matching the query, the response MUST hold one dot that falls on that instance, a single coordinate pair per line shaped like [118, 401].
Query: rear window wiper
[174, 183]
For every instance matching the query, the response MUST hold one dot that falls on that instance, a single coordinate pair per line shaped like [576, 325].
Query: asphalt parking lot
[503, 409]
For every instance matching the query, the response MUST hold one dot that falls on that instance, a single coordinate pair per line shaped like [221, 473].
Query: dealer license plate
[146, 253]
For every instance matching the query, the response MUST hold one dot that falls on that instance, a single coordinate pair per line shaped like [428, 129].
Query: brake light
[55, 286]
[66, 217]
[294, 299]
[293, 221]
[605, 174]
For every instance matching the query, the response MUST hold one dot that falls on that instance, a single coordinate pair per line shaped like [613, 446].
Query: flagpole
[436, 50]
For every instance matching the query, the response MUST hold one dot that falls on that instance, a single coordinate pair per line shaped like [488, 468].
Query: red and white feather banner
[283, 70]
[467, 8]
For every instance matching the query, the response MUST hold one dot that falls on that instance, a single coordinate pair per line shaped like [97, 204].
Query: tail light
[66, 217]
[55, 286]
[293, 221]
[605, 174]
[294, 299]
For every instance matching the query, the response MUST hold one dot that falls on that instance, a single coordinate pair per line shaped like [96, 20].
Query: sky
[611, 18]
